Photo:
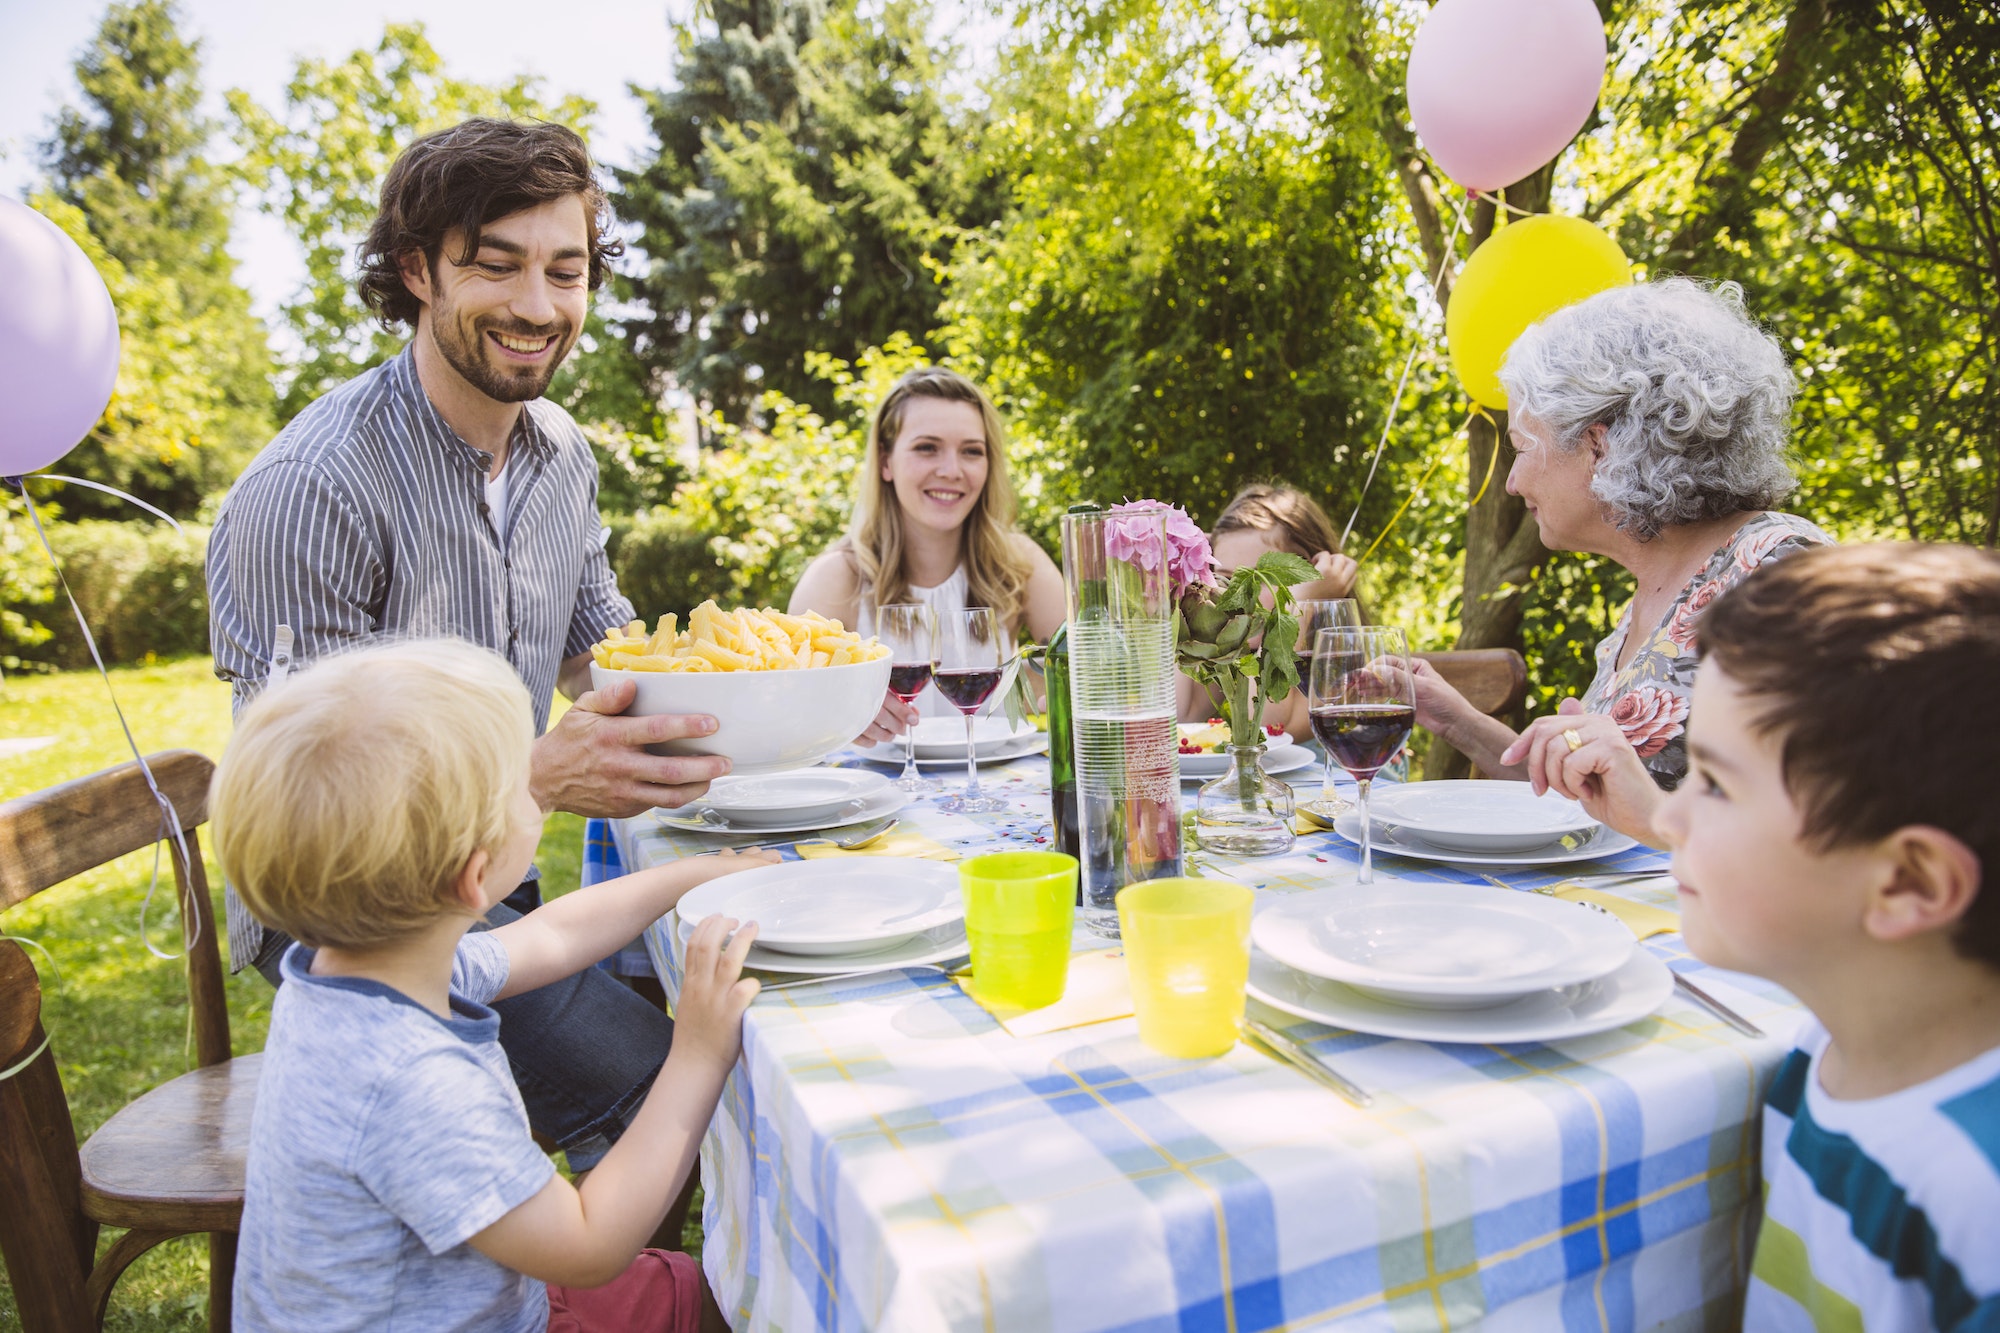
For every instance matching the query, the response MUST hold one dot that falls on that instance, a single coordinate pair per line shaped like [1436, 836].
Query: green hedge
[141, 589]
[665, 563]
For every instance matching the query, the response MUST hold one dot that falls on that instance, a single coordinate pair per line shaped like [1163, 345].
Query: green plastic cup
[1019, 909]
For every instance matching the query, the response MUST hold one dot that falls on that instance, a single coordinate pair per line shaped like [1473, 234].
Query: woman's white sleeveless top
[946, 596]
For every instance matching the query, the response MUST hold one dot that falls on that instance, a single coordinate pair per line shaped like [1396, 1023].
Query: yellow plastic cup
[1187, 954]
[1019, 909]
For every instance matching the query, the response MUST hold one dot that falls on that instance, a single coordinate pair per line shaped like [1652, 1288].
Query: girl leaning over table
[934, 522]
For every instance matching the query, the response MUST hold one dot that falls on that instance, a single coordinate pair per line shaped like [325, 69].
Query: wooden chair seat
[173, 1159]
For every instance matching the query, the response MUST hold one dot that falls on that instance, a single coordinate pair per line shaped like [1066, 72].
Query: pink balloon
[58, 342]
[1498, 87]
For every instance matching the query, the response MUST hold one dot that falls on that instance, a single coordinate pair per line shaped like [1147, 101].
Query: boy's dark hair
[467, 176]
[1878, 670]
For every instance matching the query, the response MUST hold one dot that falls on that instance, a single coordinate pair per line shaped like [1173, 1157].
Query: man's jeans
[584, 1050]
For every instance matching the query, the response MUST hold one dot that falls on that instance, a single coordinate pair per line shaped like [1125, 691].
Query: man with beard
[438, 495]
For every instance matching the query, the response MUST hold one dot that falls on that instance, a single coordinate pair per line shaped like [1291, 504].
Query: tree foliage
[810, 179]
[1195, 283]
[129, 179]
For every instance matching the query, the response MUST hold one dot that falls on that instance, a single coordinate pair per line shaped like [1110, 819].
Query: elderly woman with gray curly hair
[1649, 424]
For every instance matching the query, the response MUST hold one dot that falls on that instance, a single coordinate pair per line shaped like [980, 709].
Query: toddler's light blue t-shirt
[383, 1137]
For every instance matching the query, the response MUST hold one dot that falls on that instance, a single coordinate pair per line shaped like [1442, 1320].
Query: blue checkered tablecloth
[887, 1157]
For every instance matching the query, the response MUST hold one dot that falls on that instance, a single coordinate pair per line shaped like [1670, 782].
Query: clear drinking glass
[1364, 702]
[910, 631]
[973, 660]
[1314, 616]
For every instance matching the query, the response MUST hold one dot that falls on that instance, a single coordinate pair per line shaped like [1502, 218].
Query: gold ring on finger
[1573, 740]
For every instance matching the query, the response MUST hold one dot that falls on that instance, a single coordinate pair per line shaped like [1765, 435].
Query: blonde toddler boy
[373, 807]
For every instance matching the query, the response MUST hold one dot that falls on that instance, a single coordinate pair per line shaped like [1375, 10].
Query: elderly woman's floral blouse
[1649, 698]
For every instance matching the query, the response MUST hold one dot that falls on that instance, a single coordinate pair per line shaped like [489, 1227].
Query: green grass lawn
[117, 1016]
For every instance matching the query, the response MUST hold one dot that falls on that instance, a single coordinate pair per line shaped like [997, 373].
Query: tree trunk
[1503, 548]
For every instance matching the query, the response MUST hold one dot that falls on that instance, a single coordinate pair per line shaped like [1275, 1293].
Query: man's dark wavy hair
[465, 177]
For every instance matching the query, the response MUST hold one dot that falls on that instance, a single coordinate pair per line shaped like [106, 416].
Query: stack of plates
[1452, 962]
[1482, 823]
[817, 918]
[1279, 757]
[801, 801]
[940, 741]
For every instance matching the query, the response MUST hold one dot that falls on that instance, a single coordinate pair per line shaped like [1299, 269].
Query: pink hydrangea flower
[1190, 563]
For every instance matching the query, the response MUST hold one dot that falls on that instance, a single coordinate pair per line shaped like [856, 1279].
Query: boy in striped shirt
[1833, 834]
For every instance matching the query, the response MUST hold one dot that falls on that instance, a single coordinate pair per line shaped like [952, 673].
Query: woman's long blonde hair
[996, 575]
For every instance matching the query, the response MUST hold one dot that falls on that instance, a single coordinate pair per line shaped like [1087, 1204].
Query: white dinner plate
[1626, 996]
[1286, 758]
[844, 906]
[803, 795]
[1591, 845]
[944, 737]
[1020, 745]
[701, 818]
[1442, 945]
[1478, 815]
[933, 946]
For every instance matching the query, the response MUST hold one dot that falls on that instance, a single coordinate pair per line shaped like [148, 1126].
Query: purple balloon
[58, 342]
[1498, 87]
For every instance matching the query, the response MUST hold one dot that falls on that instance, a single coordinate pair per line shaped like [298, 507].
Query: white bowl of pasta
[770, 714]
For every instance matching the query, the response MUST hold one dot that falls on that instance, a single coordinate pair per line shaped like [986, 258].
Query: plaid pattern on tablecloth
[888, 1158]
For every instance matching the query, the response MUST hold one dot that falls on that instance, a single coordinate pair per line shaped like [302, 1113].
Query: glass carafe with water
[1121, 679]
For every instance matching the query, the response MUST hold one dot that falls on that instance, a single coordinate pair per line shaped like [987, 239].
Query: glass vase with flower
[1238, 639]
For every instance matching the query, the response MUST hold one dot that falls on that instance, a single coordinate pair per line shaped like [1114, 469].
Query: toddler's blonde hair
[353, 794]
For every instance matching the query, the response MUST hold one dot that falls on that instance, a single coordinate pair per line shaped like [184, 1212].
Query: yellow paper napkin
[1642, 920]
[1096, 992]
[903, 842]
[1304, 823]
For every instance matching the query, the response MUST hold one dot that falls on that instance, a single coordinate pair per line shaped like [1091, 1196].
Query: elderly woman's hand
[1337, 576]
[895, 718]
[1585, 757]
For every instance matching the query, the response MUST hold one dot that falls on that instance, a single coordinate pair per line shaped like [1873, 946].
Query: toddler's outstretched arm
[586, 1237]
[578, 929]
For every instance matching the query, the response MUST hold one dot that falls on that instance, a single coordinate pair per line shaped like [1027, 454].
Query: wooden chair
[169, 1164]
[1493, 680]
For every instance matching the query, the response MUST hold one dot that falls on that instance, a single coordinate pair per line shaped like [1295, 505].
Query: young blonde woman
[1267, 517]
[933, 523]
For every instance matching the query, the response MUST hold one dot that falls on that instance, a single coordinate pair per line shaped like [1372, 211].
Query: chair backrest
[46, 838]
[54, 834]
[1493, 680]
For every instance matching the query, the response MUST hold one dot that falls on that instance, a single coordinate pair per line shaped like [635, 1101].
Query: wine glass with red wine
[1363, 702]
[910, 631]
[973, 660]
[1315, 616]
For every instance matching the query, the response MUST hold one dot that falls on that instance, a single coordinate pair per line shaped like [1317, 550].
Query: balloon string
[1410, 499]
[1395, 402]
[1479, 410]
[113, 490]
[1500, 202]
[170, 820]
[35, 1054]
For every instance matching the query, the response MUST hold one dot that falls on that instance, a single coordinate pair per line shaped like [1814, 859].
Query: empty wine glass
[1314, 616]
[1363, 702]
[972, 660]
[910, 631]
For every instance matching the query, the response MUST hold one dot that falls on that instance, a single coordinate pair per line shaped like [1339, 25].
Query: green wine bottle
[1062, 752]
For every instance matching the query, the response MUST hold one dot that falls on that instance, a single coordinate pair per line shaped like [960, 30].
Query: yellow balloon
[1528, 269]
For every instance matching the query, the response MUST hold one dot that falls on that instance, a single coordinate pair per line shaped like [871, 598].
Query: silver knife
[1303, 1060]
[1716, 1007]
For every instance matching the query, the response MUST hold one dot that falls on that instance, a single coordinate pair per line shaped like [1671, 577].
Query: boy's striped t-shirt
[1882, 1214]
